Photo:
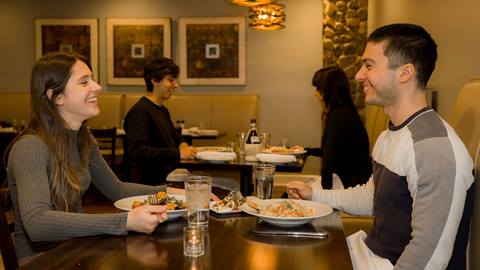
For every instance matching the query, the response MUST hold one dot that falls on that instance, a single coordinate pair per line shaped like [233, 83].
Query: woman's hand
[299, 190]
[146, 218]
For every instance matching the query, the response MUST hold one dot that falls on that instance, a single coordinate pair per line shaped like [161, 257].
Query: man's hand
[299, 190]
[187, 152]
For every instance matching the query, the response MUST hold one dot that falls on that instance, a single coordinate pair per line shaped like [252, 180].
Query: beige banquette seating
[111, 108]
[226, 113]
[376, 121]
[14, 107]
[465, 119]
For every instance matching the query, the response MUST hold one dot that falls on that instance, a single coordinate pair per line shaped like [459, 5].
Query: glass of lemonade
[197, 191]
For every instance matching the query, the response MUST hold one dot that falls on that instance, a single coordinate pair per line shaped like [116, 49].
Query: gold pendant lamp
[249, 3]
[267, 17]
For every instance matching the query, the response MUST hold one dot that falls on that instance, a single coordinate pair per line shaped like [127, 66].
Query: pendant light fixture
[249, 3]
[267, 17]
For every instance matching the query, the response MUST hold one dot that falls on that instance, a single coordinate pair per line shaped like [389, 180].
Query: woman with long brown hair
[345, 148]
[55, 159]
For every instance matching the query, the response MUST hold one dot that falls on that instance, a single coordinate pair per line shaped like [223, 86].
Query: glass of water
[197, 191]
[264, 180]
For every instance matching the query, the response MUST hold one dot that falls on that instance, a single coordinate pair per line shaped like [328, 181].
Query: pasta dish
[287, 208]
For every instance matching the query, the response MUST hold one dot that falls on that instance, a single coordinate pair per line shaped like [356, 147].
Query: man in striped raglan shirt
[420, 191]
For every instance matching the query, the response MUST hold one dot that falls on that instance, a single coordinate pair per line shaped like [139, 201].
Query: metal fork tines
[152, 199]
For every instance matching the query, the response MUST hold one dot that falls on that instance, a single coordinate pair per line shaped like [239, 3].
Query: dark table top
[230, 244]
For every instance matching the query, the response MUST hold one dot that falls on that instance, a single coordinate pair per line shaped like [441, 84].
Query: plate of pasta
[288, 212]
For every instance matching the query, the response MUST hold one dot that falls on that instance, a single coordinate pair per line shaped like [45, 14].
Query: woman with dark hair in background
[54, 160]
[345, 148]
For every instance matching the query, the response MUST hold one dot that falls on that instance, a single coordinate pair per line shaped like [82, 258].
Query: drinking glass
[284, 142]
[241, 137]
[193, 242]
[264, 174]
[197, 191]
[232, 146]
[265, 140]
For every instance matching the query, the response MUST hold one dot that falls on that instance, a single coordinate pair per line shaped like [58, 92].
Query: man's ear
[58, 100]
[407, 73]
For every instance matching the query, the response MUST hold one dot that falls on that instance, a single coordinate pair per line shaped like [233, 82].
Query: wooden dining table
[229, 244]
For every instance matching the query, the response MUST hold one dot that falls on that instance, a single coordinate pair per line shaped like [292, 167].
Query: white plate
[214, 149]
[320, 211]
[126, 204]
[286, 151]
[224, 210]
[215, 156]
[276, 158]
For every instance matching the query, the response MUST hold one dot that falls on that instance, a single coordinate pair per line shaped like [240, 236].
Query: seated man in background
[420, 193]
[152, 143]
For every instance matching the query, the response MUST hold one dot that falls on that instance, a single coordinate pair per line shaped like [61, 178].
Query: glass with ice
[264, 174]
[197, 191]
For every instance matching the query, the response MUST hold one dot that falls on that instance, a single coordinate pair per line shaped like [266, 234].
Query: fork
[152, 199]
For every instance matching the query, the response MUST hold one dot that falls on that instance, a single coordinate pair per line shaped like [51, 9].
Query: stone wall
[344, 38]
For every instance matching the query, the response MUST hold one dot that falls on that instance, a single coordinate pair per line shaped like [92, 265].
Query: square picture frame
[212, 50]
[131, 43]
[68, 35]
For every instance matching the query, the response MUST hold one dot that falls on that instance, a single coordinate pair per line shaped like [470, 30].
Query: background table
[230, 244]
[244, 167]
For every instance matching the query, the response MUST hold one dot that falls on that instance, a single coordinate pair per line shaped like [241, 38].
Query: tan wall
[279, 63]
[455, 27]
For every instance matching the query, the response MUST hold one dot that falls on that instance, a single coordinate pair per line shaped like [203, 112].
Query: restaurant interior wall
[454, 25]
[280, 63]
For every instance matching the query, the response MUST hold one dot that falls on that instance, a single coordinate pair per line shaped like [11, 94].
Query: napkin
[197, 131]
[276, 158]
[212, 155]
[177, 175]
[7, 129]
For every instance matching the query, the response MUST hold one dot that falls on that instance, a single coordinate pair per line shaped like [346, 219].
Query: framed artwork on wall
[131, 43]
[212, 50]
[68, 35]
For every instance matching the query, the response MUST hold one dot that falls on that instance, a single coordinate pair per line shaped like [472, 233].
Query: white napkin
[7, 129]
[276, 158]
[211, 155]
[177, 175]
[208, 132]
[197, 131]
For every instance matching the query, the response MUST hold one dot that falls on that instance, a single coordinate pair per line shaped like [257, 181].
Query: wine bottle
[252, 136]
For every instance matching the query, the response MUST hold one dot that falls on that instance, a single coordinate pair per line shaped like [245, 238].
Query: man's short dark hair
[157, 69]
[408, 43]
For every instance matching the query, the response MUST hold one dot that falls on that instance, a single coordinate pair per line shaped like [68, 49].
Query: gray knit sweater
[37, 226]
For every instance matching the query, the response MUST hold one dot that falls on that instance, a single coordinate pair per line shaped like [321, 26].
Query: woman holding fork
[55, 159]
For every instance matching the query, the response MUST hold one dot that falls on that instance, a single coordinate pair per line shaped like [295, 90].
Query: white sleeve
[356, 200]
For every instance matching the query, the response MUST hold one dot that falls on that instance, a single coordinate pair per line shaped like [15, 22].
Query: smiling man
[420, 190]
[152, 143]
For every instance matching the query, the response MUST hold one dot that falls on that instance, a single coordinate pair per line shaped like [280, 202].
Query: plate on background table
[216, 157]
[214, 149]
[276, 158]
[284, 151]
[320, 210]
[126, 204]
